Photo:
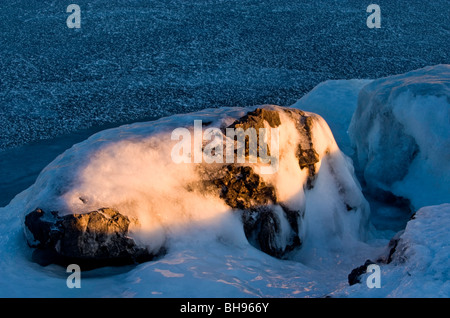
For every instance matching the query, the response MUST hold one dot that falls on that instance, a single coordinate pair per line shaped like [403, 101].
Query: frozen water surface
[138, 59]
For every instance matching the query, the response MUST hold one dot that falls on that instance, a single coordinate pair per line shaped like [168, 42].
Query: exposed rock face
[92, 239]
[263, 228]
[243, 189]
[355, 276]
[306, 154]
[256, 119]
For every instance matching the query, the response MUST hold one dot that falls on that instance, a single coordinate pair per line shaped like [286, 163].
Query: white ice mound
[417, 261]
[401, 131]
[335, 101]
[311, 198]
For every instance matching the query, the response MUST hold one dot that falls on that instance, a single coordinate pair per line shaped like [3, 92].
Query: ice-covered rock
[401, 132]
[91, 239]
[355, 275]
[301, 192]
[416, 265]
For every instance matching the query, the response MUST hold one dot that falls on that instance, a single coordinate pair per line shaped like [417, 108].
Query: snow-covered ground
[213, 258]
[420, 263]
[201, 264]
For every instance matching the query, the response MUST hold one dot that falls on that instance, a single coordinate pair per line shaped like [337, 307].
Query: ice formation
[312, 199]
[401, 134]
[417, 259]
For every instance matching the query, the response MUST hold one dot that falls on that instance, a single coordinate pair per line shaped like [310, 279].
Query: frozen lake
[137, 59]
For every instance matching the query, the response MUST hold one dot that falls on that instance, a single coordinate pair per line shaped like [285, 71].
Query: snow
[420, 262]
[212, 259]
[401, 133]
[335, 101]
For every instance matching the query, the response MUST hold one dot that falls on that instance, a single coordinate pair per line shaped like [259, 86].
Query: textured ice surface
[401, 133]
[335, 101]
[420, 263]
[139, 59]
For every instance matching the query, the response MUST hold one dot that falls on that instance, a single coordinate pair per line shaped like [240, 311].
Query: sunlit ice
[192, 148]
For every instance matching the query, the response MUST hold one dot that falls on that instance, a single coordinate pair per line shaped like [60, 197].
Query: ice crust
[401, 134]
